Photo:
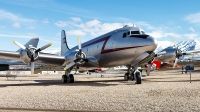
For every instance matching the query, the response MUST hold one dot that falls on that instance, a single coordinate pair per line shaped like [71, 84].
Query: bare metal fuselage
[112, 49]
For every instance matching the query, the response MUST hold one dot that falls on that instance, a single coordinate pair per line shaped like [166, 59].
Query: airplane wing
[10, 55]
[43, 58]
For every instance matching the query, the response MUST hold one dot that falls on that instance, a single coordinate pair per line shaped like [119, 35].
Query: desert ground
[163, 90]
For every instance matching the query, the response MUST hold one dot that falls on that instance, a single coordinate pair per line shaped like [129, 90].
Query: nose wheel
[138, 78]
[68, 78]
[133, 74]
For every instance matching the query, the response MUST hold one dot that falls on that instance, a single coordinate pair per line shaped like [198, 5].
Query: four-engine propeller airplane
[173, 54]
[128, 46]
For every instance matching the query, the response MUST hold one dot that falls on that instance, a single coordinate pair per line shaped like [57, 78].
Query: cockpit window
[124, 35]
[143, 32]
[135, 32]
[128, 33]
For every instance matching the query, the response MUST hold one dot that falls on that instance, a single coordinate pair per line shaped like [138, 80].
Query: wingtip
[51, 43]
[13, 41]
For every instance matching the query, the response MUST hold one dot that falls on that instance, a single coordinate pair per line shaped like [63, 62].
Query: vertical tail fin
[33, 42]
[64, 46]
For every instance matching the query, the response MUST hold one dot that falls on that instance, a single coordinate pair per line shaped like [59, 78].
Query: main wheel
[138, 78]
[71, 78]
[126, 76]
[64, 79]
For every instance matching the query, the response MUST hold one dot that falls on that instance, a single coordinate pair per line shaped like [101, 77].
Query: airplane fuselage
[114, 49]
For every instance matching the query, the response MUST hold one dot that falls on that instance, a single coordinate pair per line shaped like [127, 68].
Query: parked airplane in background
[128, 46]
[173, 54]
[5, 63]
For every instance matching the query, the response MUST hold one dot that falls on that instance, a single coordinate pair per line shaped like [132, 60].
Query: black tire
[64, 79]
[138, 78]
[102, 76]
[71, 78]
[126, 76]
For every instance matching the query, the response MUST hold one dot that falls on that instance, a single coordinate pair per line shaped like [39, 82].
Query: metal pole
[190, 76]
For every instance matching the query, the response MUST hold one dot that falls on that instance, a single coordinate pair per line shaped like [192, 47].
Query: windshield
[135, 32]
[143, 32]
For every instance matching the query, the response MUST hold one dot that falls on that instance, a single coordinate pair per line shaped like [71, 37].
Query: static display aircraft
[4, 63]
[173, 54]
[128, 46]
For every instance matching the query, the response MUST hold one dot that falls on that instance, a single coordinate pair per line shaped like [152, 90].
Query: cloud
[75, 32]
[16, 25]
[45, 21]
[193, 18]
[61, 23]
[156, 34]
[30, 27]
[192, 29]
[4, 15]
[164, 44]
[160, 34]
[92, 23]
[76, 19]
[191, 36]
[16, 36]
[145, 24]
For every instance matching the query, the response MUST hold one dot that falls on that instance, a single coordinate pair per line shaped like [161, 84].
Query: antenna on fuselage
[125, 26]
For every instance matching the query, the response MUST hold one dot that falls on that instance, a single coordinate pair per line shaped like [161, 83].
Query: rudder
[64, 46]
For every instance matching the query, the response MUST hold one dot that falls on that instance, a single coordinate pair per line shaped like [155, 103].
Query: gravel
[161, 91]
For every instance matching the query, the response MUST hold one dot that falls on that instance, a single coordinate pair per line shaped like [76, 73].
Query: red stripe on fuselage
[105, 39]
[97, 41]
[119, 49]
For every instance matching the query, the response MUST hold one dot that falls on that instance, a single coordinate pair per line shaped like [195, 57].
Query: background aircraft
[128, 46]
[173, 54]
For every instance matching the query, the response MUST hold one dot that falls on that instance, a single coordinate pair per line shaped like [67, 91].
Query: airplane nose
[152, 42]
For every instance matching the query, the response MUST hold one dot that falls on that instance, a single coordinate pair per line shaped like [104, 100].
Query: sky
[22, 20]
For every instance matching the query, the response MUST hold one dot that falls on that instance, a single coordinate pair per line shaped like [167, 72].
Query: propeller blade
[149, 69]
[79, 42]
[44, 47]
[32, 66]
[175, 63]
[191, 52]
[20, 45]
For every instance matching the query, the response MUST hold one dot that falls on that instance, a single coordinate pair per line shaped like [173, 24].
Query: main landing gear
[67, 77]
[133, 75]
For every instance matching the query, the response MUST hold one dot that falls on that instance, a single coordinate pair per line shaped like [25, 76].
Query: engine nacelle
[25, 56]
[76, 57]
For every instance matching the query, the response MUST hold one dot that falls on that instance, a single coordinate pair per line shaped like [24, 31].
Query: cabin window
[124, 35]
